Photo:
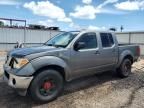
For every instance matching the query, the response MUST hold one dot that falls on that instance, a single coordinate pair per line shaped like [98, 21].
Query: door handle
[97, 52]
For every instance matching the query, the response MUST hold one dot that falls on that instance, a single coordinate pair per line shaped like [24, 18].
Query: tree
[1, 23]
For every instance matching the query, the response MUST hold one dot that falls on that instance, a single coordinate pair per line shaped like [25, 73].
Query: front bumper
[20, 83]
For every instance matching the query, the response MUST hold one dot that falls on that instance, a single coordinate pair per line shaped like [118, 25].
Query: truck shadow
[89, 81]
[9, 98]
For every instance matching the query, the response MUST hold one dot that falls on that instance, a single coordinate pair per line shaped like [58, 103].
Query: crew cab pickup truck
[42, 71]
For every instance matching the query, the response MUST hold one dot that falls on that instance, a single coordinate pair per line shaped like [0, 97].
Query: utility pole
[121, 28]
[10, 22]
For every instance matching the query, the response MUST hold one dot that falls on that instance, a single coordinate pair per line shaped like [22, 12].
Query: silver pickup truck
[42, 71]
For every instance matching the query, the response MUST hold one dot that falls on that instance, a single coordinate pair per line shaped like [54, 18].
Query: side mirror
[79, 46]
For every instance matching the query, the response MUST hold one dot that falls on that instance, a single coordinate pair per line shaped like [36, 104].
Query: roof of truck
[106, 31]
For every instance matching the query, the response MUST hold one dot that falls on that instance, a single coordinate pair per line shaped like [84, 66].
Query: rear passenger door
[108, 50]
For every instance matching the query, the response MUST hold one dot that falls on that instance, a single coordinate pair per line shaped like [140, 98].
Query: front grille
[6, 74]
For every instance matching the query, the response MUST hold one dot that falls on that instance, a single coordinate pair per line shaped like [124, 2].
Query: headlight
[19, 62]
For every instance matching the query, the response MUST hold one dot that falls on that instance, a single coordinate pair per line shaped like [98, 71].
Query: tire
[125, 68]
[46, 86]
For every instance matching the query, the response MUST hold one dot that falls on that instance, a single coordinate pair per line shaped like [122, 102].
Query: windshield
[62, 39]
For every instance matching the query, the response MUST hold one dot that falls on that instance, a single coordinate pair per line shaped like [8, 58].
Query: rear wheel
[125, 68]
[46, 86]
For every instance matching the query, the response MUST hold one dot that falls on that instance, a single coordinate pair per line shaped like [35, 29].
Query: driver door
[85, 60]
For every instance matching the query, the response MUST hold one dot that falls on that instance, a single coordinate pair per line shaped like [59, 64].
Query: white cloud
[65, 20]
[85, 12]
[90, 12]
[9, 2]
[75, 26]
[87, 1]
[112, 11]
[130, 5]
[47, 9]
[91, 27]
[106, 2]
[48, 22]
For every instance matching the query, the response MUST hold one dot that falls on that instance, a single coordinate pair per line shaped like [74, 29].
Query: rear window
[106, 39]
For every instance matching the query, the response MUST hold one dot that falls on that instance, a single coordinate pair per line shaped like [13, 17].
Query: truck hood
[21, 52]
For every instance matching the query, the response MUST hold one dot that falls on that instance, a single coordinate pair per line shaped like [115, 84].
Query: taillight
[138, 50]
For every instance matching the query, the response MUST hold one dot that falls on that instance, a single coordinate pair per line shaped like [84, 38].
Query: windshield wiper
[49, 44]
[59, 46]
[54, 45]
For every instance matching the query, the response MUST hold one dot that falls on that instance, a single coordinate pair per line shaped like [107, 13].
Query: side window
[107, 39]
[89, 39]
[111, 38]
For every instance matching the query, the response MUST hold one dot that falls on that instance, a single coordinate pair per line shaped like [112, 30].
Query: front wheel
[46, 86]
[125, 68]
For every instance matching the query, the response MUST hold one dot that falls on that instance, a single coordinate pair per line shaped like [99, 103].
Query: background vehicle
[42, 70]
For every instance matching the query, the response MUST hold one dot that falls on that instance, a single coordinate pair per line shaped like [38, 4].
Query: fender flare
[44, 61]
[123, 55]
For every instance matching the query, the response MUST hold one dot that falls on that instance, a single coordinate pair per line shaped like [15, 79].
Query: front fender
[123, 55]
[51, 60]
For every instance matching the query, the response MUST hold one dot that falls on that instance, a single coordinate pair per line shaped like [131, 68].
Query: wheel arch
[129, 57]
[54, 67]
[51, 62]
[125, 54]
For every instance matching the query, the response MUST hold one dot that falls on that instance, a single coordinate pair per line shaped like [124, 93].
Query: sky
[77, 14]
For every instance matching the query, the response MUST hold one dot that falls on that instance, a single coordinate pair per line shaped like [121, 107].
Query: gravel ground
[103, 90]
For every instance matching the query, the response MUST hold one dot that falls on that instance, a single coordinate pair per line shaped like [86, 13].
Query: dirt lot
[103, 90]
